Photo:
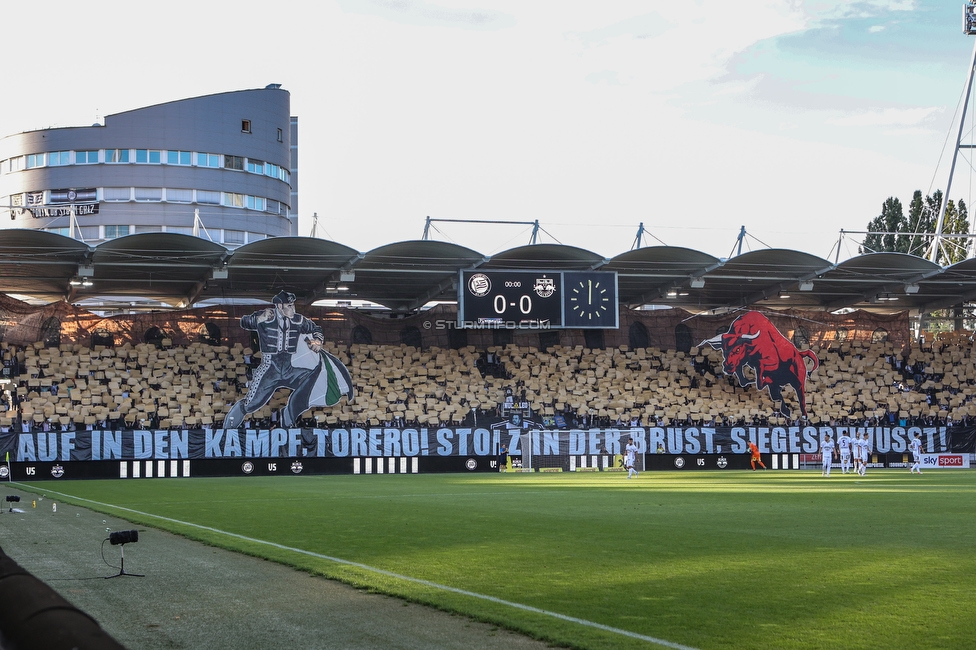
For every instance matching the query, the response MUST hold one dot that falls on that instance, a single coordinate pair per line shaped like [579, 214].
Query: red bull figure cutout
[753, 341]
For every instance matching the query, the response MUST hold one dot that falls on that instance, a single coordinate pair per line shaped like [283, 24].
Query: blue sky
[793, 118]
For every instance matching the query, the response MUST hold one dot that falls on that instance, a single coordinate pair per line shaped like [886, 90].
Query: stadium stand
[193, 386]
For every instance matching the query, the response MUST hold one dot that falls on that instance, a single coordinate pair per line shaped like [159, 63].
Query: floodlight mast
[968, 28]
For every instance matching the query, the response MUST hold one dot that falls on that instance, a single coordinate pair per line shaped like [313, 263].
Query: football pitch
[733, 559]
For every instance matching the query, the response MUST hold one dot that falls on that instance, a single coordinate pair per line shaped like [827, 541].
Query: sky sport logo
[488, 324]
[950, 461]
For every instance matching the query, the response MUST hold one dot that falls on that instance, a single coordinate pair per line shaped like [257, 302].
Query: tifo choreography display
[562, 407]
[291, 357]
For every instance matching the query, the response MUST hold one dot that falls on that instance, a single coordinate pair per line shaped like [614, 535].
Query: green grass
[702, 559]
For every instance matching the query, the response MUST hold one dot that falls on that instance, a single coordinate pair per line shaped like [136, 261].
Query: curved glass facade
[221, 166]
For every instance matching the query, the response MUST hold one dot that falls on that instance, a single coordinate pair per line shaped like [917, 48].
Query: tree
[891, 231]
[920, 221]
[891, 220]
[956, 222]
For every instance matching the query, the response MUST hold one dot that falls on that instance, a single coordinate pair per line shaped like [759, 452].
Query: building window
[60, 231]
[180, 230]
[111, 232]
[245, 126]
[208, 160]
[233, 162]
[140, 229]
[255, 166]
[177, 157]
[271, 170]
[116, 155]
[233, 200]
[274, 207]
[149, 194]
[208, 196]
[58, 158]
[35, 160]
[279, 135]
[255, 203]
[151, 156]
[88, 232]
[16, 163]
[284, 175]
[86, 157]
[116, 194]
[233, 236]
[179, 196]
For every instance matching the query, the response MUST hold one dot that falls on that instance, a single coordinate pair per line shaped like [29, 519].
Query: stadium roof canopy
[181, 270]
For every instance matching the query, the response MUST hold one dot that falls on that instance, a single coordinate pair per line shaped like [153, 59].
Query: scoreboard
[538, 299]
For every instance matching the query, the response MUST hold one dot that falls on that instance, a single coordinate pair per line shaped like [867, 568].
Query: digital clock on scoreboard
[510, 299]
[538, 299]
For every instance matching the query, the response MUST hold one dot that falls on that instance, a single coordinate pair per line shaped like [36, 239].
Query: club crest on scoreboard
[544, 287]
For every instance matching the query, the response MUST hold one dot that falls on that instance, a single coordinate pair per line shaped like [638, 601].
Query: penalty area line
[391, 574]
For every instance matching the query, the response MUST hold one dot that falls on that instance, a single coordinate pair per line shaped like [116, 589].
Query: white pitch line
[419, 581]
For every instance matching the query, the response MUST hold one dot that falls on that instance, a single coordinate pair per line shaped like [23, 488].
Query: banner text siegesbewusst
[454, 441]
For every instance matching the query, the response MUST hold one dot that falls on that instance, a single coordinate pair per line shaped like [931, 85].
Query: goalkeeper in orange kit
[754, 450]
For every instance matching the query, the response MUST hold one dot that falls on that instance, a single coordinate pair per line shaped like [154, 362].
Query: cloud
[845, 9]
[888, 117]
[856, 58]
[678, 43]
[604, 76]
[424, 14]
[641, 27]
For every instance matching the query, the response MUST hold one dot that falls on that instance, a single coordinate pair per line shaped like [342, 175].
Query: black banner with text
[105, 445]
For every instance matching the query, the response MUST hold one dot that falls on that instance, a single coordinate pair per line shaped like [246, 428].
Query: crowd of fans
[166, 386]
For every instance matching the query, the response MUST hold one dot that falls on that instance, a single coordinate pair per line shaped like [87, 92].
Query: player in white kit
[844, 446]
[916, 446]
[630, 458]
[865, 444]
[827, 451]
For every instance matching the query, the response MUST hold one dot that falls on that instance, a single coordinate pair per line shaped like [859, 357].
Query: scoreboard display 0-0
[510, 299]
[518, 299]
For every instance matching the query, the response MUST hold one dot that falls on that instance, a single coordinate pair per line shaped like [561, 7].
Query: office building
[223, 167]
